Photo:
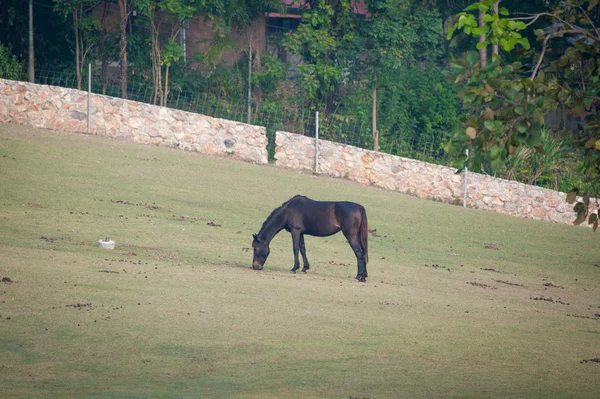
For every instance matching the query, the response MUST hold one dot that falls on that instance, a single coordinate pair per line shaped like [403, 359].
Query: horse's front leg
[296, 247]
[303, 252]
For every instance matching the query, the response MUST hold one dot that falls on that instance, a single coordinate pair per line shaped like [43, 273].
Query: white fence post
[466, 170]
[317, 142]
[89, 96]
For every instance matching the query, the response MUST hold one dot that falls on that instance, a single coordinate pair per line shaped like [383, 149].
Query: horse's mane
[276, 212]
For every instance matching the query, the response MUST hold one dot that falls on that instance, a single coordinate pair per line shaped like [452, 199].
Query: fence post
[466, 170]
[317, 142]
[89, 95]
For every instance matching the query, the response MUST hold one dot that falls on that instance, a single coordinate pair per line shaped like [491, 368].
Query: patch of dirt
[594, 360]
[509, 283]
[143, 215]
[246, 249]
[553, 285]
[213, 224]
[7, 280]
[144, 248]
[191, 219]
[389, 303]
[108, 271]
[80, 306]
[374, 232]
[79, 213]
[52, 240]
[436, 266]
[334, 263]
[33, 205]
[489, 269]
[579, 316]
[139, 262]
[551, 300]
[491, 245]
[481, 285]
[152, 207]
[9, 157]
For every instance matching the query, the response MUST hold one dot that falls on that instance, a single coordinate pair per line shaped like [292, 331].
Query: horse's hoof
[304, 271]
[292, 272]
[361, 279]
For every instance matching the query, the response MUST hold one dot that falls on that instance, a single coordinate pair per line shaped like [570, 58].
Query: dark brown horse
[301, 215]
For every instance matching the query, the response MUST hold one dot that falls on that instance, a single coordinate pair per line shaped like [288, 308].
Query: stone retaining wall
[59, 108]
[422, 179]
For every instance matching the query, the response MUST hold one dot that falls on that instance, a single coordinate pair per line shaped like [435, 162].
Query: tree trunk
[101, 49]
[156, 67]
[31, 66]
[483, 52]
[124, 12]
[166, 90]
[77, 48]
[374, 112]
[250, 78]
[495, 49]
[257, 92]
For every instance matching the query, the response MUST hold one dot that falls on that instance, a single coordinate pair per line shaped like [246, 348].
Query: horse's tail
[364, 232]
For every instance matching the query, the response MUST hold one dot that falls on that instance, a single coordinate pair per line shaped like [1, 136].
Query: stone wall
[422, 179]
[59, 108]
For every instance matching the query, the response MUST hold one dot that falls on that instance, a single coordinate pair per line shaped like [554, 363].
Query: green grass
[176, 310]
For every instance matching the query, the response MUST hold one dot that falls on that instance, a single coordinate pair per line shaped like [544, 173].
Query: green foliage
[418, 109]
[271, 73]
[507, 103]
[172, 52]
[544, 167]
[325, 39]
[398, 32]
[505, 112]
[497, 30]
[10, 67]
[243, 13]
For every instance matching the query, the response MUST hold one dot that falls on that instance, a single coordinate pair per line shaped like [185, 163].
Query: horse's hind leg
[359, 251]
[296, 240]
[303, 252]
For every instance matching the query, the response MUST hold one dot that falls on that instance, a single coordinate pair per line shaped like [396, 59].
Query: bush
[10, 67]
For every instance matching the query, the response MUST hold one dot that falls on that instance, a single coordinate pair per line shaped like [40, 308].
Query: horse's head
[261, 252]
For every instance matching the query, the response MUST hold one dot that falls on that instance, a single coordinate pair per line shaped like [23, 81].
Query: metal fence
[210, 99]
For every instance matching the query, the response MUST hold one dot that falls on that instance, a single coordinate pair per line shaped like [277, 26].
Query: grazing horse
[301, 215]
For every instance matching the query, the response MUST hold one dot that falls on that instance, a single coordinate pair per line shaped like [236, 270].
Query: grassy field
[459, 302]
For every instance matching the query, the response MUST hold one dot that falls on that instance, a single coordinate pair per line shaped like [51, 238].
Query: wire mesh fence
[212, 100]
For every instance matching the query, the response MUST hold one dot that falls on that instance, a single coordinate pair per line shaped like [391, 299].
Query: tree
[85, 27]
[243, 14]
[386, 43]
[124, 12]
[508, 102]
[106, 48]
[326, 39]
[393, 34]
[31, 60]
[10, 67]
[165, 19]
